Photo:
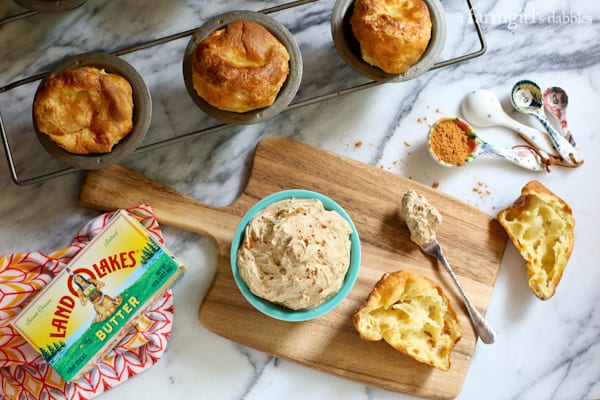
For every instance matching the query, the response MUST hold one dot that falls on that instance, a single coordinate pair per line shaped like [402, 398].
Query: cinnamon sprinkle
[450, 143]
[482, 189]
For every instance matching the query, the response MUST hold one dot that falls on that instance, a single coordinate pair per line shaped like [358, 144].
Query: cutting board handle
[118, 187]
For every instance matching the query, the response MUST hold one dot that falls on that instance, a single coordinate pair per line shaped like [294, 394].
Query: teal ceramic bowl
[282, 313]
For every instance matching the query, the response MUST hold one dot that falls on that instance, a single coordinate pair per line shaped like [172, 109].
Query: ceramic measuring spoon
[556, 101]
[483, 109]
[524, 157]
[526, 97]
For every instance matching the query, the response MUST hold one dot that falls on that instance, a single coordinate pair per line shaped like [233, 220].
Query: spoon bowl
[556, 102]
[524, 157]
[526, 97]
[483, 109]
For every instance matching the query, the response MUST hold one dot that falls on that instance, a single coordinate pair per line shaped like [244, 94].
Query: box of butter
[89, 306]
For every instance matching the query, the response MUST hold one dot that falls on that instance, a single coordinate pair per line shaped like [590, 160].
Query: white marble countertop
[544, 350]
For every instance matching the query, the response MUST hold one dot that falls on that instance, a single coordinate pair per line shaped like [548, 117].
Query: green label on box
[89, 305]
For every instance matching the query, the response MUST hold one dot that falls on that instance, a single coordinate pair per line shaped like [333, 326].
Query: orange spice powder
[450, 143]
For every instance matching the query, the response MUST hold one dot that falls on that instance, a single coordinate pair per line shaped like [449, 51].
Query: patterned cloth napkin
[24, 373]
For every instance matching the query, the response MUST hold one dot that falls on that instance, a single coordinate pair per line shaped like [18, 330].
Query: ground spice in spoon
[450, 142]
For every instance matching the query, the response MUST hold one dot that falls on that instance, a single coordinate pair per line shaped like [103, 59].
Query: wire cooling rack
[62, 170]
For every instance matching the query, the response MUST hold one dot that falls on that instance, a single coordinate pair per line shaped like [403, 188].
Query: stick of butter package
[89, 306]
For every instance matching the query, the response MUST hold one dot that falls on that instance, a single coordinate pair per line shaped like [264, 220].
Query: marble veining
[544, 350]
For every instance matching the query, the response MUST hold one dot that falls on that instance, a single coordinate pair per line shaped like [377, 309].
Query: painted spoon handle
[531, 135]
[524, 157]
[555, 103]
[562, 145]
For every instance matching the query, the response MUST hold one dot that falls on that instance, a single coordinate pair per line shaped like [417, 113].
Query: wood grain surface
[472, 240]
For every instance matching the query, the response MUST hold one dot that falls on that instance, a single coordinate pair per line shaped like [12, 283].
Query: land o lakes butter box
[89, 306]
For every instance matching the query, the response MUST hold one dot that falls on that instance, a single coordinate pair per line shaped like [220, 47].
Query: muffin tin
[10, 142]
[349, 49]
[142, 112]
[289, 88]
[49, 5]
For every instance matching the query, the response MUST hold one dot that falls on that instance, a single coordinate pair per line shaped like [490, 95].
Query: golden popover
[414, 315]
[393, 34]
[541, 225]
[85, 109]
[240, 68]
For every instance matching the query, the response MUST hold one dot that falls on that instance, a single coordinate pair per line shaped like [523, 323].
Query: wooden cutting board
[473, 242]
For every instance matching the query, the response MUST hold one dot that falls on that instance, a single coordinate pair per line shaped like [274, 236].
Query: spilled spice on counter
[482, 189]
[450, 142]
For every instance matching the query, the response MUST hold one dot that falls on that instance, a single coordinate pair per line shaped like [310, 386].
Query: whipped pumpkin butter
[421, 218]
[295, 253]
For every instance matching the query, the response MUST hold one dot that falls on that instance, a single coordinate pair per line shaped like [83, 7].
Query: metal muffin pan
[49, 5]
[349, 48]
[287, 91]
[142, 112]
[50, 173]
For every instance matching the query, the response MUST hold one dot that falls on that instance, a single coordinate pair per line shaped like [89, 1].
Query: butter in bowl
[295, 255]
